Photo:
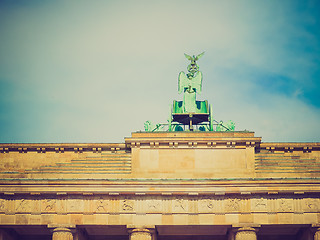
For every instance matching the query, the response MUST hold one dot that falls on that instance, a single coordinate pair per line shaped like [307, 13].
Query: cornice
[289, 146]
[154, 142]
[61, 147]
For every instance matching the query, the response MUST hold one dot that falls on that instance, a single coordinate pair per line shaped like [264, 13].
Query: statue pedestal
[193, 154]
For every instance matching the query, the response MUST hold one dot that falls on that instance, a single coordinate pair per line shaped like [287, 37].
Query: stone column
[62, 233]
[142, 233]
[246, 233]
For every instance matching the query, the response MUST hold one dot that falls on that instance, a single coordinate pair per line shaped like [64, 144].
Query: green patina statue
[190, 114]
[190, 84]
[228, 126]
[149, 127]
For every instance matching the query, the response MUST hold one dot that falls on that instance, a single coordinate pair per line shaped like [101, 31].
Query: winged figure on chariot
[190, 84]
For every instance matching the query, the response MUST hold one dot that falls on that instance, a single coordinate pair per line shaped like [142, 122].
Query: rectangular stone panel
[159, 204]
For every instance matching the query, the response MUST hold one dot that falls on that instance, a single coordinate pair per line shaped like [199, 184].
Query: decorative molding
[61, 147]
[165, 204]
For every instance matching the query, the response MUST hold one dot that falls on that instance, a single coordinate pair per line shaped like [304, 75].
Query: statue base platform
[193, 154]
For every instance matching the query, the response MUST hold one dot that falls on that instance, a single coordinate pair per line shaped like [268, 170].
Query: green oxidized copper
[149, 127]
[190, 112]
[231, 125]
[197, 115]
[190, 84]
[228, 126]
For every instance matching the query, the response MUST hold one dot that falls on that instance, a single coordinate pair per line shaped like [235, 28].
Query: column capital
[315, 229]
[244, 225]
[132, 226]
[141, 228]
[61, 232]
[245, 231]
[142, 232]
[68, 226]
[315, 225]
[62, 229]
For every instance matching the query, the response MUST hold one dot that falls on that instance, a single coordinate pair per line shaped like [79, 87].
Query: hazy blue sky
[95, 71]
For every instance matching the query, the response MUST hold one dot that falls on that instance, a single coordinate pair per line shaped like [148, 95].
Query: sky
[95, 71]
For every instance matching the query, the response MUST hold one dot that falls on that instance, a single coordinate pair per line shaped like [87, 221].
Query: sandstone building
[165, 186]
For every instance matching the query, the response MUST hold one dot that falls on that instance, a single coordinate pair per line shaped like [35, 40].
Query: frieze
[49, 205]
[232, 205]
[206, 204]
[101, 205]
[259, 204]
[180, 205]
[285, 205]
[311, 204]
[22, 205]
[127, 204]
[2, 205]
[159, 204]
[10, 205]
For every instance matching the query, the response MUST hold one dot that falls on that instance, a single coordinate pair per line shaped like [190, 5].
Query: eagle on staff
[190, 83]
[194, 58]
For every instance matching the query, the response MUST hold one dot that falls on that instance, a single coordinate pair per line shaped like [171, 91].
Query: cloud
[94, 72]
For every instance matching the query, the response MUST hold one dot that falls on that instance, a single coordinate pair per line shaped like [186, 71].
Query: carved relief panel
[284, 204]
[127, 204]
[101, 205]
[48, 205]
[22, 205]
[179, 204]
[2, 205]
[206, 204]
[232, 204]
[311, 204]
[183, 204]
[259, 204]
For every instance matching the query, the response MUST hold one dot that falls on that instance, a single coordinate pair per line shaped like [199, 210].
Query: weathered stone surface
[186, 181]
[141, 234]
[62, 234]
[246, 233]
